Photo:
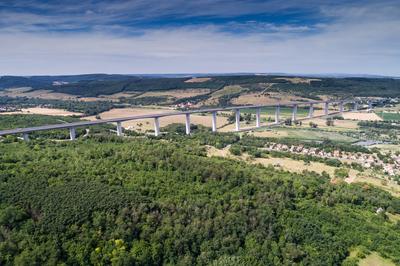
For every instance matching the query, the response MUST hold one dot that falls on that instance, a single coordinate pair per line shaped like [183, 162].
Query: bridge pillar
[311, 111]
[119, 129]
[214, 121]
[237, 119]
[369, 106]
[258, 118]
[72, 133]
[25, 137]
[355, 108]
[277, 113]
[156, 126]
[294, 113]
[187, 123]
[326, 108]
[341, 108]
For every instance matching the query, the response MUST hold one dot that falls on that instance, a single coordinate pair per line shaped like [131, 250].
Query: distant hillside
[102, 84]
[46, 81]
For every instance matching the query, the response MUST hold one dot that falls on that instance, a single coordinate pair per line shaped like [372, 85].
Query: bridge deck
[138, 117]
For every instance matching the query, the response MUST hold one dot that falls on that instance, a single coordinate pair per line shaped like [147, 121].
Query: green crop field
[389, 116]
[271, 110]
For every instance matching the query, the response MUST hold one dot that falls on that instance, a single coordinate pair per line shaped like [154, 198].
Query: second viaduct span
[236, 109]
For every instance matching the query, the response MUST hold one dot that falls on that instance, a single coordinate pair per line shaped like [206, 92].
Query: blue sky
[204, 36]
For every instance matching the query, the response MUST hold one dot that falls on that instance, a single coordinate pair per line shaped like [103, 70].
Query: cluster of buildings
[4, 109]
[59, 83]
[391, 168]
[181, 106]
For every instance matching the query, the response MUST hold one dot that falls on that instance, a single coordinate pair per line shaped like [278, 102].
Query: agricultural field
[362, 116]
[389, 116]
[303, 134]
[144, 125]
[175, 94]
[44, 111]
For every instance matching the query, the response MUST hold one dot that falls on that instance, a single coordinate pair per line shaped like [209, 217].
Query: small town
[390, 166]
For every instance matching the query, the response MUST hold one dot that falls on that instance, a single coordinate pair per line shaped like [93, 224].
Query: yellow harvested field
[339, 125]
[51, 95]
[148, 124]
[212, 151]
[295, 166]
[394, 218]
[389, 186]
[387, 147]
[43, 94]
[271, 133]
[118, 95]
[178, 94]
[286, 164]
[44, 111]
[197, 80]
[48, 94]
[227, 90]
[94, 99]
[374, 259]
[16, 90]
[361, 116]
[299, 80]
[124, 112]
[214, 99]
[291, 165]
[266, 98]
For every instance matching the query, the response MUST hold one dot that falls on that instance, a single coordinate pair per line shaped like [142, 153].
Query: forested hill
[106, 200]
[101, 84]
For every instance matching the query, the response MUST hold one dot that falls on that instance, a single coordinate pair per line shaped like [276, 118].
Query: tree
[341, 172]
[329, 122]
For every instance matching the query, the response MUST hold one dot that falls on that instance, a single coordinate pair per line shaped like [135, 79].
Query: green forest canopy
[94, 85]
[107, 200]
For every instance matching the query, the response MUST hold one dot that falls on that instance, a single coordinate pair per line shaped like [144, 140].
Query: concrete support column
[187, 124]
[72, 133]
[369, 105]
[277, 113]
[25, 137]
[258, 118]
[294, 113]
[156, 126]
[326, 108]
[237, 119]
[311, 111]
[214, 121]
[341, 108]
[355, 106]
[119, 129]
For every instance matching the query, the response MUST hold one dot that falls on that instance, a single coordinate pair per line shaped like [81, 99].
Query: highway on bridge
[236, 109]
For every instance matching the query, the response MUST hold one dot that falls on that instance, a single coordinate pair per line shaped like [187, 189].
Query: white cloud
[358, 42]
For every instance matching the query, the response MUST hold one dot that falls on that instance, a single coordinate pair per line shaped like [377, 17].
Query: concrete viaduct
[236, 109]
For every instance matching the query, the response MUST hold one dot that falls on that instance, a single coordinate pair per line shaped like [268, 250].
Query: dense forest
[86, 108]
[31, 120]
[94, 85]
[145, 201]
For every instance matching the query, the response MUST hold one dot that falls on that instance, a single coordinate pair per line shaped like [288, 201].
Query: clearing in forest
[178, 94]
[197, 80]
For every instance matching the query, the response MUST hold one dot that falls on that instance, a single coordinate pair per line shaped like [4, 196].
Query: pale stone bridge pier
[236, 109]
